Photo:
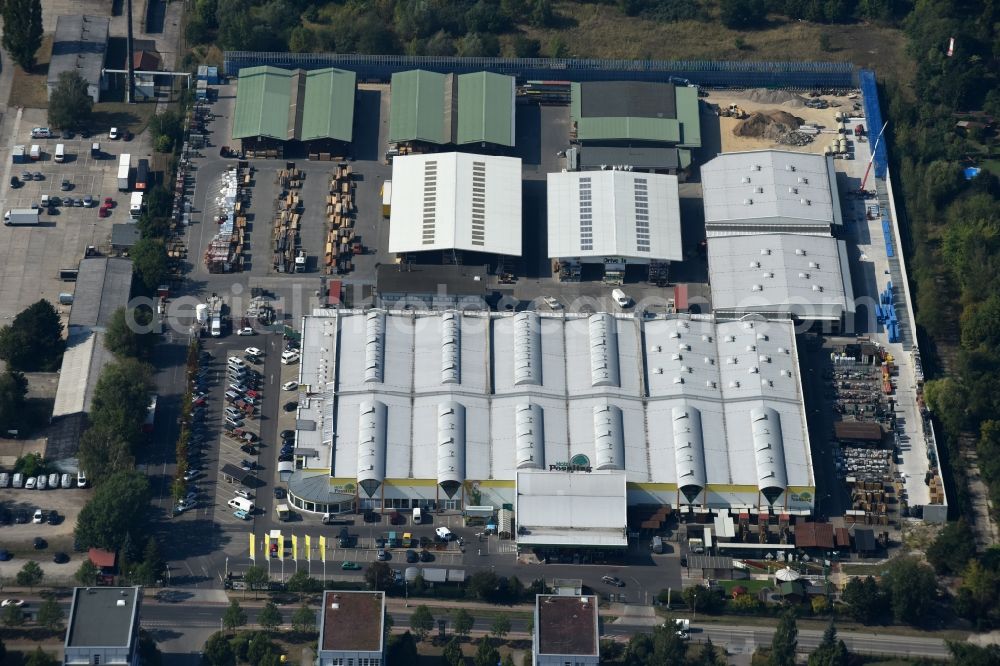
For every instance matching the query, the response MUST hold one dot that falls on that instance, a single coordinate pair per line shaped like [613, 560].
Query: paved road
[735, 638]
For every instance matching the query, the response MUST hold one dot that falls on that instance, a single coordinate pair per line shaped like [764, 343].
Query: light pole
[694, 607]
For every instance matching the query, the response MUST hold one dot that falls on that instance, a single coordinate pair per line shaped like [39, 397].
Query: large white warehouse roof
[456, 201]
[806, 276]
[770, 191]
[614, 214]
[713, 411]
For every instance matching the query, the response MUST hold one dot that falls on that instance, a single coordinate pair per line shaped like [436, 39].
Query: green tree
[30, 574]
[421, 622]
[31, 464]
[379, 576]
[103, 453]
[121, 399]
[22, 31]
[269, 617]
[33, 341]
[452, 654]
[831, 651]
[978, 594]
[865, 600]
[86, 575]
[303, 40]
[911, 587]
[70, 103]
[525, 47]
[709, 655]
[219, 650]
[302, 583]
[129, 333]
[13, 616]
[50, 614]
[117, 509]
[149, 653]
[401, 649]
[486, 653]
[969, 654]
[304, 620]
[259, 649]
[256, 577]
[785, 641]
[40, 658]
[483, 585]
[13, 391]
[742, 14]
[462, 622]
[542, 15]
[702, 600]
[149, 259]
[234, 616]
[508, 660]
[500, 627]
[952, 549]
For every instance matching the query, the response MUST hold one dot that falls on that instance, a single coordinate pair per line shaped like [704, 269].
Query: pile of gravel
[773, 125]
[768, 96]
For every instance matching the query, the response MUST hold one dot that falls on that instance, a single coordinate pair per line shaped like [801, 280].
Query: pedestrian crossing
[503, 547]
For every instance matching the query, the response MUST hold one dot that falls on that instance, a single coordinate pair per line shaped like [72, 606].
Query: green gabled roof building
[442, 109]
[294, 105]
[658, 121]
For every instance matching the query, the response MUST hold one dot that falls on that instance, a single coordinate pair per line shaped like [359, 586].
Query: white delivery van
[621, 298]
[417, 516]
[36, 152]
[60, 152]
[241, 503]
[135, 206]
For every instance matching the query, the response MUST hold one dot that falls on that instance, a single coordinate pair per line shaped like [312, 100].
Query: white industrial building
[614, 218]
[770, 191]
[456, 202]
[781, 275]
[446, 410]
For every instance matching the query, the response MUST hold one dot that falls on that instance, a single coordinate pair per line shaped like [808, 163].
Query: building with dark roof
[80, 45]
[814, 536]
[103, 285]
[277, 108]
[103, 626]
[124, 236]
[431, 287]
[449, 109]
[352, 629]
[566, 631]
[645, 126]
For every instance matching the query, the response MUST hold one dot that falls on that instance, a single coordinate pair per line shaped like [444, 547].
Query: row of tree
[33, 342]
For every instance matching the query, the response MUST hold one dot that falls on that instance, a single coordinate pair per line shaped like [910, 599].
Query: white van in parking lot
[417, 516]
[241, 503]
[444, 534]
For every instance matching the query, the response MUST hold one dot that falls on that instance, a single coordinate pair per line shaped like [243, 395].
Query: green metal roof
[485, 108]
[635, 129]
[294, 104]
[263, 97]
[687, 114]
[417, 107]
[574, 101]
[329, 105]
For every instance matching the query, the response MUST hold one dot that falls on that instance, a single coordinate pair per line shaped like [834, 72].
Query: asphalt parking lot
[65, 502]
[32, 256]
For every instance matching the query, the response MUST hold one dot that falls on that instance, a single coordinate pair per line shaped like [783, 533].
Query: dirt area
[601, 30]
[793, 107]
[12, 449]
[29, 89]
[67, 502]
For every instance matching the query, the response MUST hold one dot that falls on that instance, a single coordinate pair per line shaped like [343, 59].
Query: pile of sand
[766, 96]
[772, 125]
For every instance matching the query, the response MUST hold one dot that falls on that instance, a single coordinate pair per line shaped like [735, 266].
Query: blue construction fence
[710, 73]
[873, 113]
[887, 234]
[885, 312]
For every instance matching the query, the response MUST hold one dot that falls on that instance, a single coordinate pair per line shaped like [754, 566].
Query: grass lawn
[603, 31]
[135, 117]
[28, 89]
[864, 569]
[751, 586]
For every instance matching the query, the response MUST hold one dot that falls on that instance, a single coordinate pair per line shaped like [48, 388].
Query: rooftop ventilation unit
[768, 274]
[813, 264]
[758, 190]
[756, 287]
[675, 334]
[527, 349]
[816, 287]
[748, 202]
[710, 384]
[753, 370]
[762, 336]
[803, 180]
[709, 360]
[789, 167]
[530, 439]
[374, 340]
[734, 384]
[800, 252]
[706, 337]
[751, 348]
[764, 251]
[678, 380]
[755, 167]
[805, 202]
[793, 190]
[754, 264]
[675, 357]
[730, 338]
[746, 179]
[804, 276]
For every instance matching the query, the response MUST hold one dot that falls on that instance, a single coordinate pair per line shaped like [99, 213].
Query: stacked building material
[224, 253]
[341, 243]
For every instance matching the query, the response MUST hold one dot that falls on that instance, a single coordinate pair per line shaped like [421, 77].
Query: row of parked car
[42, 481]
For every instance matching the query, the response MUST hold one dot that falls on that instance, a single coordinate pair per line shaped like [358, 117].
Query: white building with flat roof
[781, 275]
[430, 409]
[625, 216]
[770, 191]
[456, 201]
